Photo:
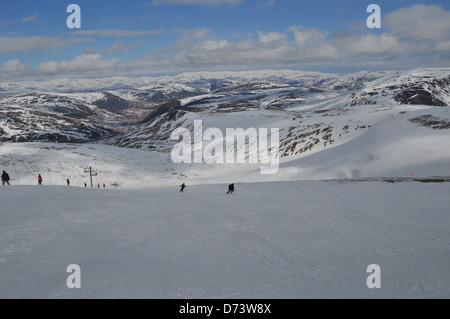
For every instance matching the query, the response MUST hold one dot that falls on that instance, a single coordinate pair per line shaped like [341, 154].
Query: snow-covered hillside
[373, 141]
[427, 86]
[368, 141]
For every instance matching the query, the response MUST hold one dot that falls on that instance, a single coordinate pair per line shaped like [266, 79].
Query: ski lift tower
[91, 173]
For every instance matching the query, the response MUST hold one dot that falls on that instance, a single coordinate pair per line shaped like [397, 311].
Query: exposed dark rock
[418, 97]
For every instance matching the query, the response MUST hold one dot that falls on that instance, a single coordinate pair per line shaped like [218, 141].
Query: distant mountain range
[142, 112]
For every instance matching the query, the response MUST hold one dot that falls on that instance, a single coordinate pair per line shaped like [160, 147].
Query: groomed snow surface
[303, 239]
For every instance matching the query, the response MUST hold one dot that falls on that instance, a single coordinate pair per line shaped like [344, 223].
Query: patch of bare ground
[431, 121]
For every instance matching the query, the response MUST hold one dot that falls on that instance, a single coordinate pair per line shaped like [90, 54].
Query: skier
[68, 182]
[230, 189]
[5, 178]
[39, 179]
[183, 186]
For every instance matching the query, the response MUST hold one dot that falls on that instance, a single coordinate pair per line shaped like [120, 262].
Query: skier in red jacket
[39, 179]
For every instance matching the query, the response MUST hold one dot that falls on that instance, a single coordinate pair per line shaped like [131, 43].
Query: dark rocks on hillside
[112, 102]
[432, 122]
[418, 97]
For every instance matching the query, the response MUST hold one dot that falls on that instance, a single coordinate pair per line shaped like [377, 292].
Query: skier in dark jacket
[230, 189]
[183, 186]
[5, 178]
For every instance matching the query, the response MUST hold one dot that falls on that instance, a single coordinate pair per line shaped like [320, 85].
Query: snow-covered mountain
[312, 116]
[188, 81]
[425, 87]
[313, 111]
[55, 117]
[74, 117]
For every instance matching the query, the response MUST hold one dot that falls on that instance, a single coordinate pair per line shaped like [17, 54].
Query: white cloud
[30, 18]
[273, 49]
[370, 44]
[420, 23]
[27, 19]
[13, 44]
[265, 3]
[117, 33]
[82, 64]
[14, 66]
[196, 34]
[443, 46]
[200, 49]
[117, 48]
[15, 69]
[271, 36]
[304, 36]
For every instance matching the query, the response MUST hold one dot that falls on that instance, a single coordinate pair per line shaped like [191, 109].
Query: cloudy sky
[156, 37]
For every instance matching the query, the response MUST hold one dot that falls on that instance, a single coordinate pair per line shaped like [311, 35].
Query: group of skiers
[6, 179]
[230, 188]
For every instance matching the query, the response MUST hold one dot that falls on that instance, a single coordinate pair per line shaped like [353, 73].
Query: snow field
[304, 239]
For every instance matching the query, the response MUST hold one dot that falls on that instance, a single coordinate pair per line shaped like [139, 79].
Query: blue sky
[154, 37]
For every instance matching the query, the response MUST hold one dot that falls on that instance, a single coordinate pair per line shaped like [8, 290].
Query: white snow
[305, 239]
